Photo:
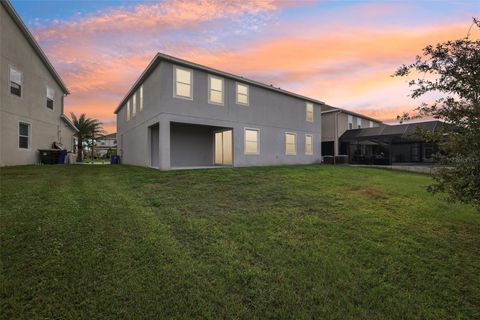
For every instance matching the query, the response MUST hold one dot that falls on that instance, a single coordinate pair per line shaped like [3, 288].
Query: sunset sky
[340, 52]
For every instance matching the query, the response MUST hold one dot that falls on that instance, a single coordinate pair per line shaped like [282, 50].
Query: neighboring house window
[23, 135]
[215, 90]
[242, 94]
[309, 111]
[141, 99]
[290, 143]
[370, 124]
[359, 123]
[128, 110]
[183, 83]
[134, 104]
[252, 141]
[308, 144]
[350, 122]
[16, 81]
[50, 98]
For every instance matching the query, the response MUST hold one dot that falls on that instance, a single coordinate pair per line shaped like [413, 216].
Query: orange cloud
[345, 65]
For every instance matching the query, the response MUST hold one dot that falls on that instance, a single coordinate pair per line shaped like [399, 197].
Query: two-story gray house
[31, 95]
[182, 114]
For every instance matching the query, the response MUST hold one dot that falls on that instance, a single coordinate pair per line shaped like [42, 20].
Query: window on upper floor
[16, 82]
[252, 141]
[359, 123]
[215, 90]
[23, 135]
[128, 110]
[309, 111]
[134, 104]
[140, 98]
[370, 124]
[290, 143]
[308, 144]
[50, 98]
[242, 94]
[350, 122]
[182, 83]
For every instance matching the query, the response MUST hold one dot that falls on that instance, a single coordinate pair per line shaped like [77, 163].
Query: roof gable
[33, 43]
[164, 57]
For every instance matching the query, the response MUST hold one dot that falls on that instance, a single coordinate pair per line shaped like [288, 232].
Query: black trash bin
[49, 156]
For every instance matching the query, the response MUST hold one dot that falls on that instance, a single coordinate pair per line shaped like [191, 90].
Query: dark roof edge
[161, 56]
[69, 122]
[352, 113]
[36, 47]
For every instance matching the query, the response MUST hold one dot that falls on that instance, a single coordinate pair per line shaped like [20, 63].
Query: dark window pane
[49, 103]
[15, 89]
[23, 142]
[23, 129]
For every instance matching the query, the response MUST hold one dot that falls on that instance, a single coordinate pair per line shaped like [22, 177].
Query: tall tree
[87, 129]
[452, 69]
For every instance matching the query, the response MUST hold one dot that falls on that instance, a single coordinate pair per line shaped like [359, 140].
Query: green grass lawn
[324, 242]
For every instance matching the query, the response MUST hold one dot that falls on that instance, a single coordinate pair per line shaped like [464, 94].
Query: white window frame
[307, 104]
[140, 98]
[311, 138]
[236, 94]
[128, 110]
[370, 124]
[245, 141]
[286, 152]
[175, 83]
[350, 122]
[10, 67]
[53, 104]
[210, 77]
[29, 136]
[359, 123]
[134, 105]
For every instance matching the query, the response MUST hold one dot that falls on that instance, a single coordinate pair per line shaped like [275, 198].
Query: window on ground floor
[308, 144]
[23, 135]
[290, 143]
[252, 141]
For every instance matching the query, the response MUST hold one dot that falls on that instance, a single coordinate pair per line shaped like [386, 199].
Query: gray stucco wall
[341, 119]
[46, 125]
[191, 145]
[271, 112]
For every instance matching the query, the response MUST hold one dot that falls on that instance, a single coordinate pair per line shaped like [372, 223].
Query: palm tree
[87, 129]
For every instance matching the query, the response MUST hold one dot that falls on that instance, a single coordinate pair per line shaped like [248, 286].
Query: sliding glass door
[223, 148]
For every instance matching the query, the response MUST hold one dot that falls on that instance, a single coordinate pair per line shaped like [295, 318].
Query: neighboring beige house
[335, 121]
[31, 95]
[105, 144]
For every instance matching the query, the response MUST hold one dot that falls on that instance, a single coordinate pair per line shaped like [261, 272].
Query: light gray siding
[272, 112]
[334, 124]
[46, 126]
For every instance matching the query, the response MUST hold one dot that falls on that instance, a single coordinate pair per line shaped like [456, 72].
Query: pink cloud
[349, 66]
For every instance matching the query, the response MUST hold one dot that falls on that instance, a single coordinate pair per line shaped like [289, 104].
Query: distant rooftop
[386, 130]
